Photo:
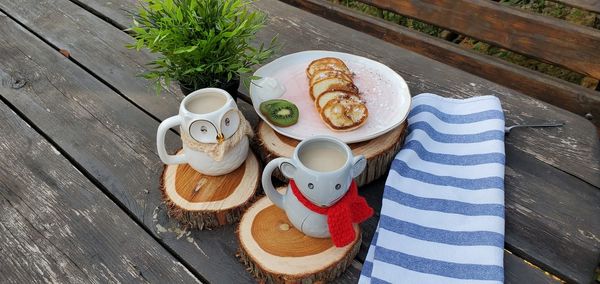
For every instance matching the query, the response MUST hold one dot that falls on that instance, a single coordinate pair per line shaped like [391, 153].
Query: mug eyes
[230, 123]
[337, 186]
[203, 131]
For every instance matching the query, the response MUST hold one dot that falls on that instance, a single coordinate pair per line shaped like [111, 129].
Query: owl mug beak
[220, 138]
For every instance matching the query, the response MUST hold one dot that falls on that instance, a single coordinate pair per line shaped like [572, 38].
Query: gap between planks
[552, 276]
[99, 14]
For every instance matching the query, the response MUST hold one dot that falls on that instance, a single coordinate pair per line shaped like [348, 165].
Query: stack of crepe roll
[336, 97]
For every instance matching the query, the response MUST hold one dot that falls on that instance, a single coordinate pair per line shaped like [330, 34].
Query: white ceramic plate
[385, 92]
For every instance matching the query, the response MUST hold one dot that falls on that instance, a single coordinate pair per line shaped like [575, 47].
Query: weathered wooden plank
[577, 142]
[565, 95]
[110, 139]
[423, 74]
[114, 142]
[590, 5]
[570, 45]
[557, 219]
[58, 227]
[517, 271]
[98, 46]
[116, 13]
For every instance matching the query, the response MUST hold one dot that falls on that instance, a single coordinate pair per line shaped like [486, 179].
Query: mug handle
[160, 141]
[359, 163]
[272, 193]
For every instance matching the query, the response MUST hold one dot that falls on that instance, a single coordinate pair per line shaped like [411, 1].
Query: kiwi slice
[280, 112]
[266, 106]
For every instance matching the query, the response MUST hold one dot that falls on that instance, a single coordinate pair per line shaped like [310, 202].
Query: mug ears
[288, 169]
[359, 165]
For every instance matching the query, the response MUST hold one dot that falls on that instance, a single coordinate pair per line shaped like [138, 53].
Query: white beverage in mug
[206, 104]
[207, 116]
[323, 156]
[322, 168]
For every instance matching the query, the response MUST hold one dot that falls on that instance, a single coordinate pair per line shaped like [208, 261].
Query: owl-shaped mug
[207, 115]
[322, 168]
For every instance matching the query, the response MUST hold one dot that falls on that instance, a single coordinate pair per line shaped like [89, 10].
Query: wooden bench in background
[552, 40]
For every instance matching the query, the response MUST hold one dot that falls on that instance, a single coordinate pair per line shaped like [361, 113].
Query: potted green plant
[203, 43]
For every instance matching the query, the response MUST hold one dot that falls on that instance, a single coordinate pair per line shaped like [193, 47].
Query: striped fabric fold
[442, 216]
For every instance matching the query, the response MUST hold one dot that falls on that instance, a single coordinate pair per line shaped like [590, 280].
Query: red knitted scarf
[352, 208]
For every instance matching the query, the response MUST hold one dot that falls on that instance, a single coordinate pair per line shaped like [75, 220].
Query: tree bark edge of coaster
[200, 202]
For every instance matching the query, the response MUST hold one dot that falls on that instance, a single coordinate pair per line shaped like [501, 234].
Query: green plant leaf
[201, 42]
[185, 49]
[156, 7]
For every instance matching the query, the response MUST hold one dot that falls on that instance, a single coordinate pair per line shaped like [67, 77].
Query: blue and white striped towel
[442, 217]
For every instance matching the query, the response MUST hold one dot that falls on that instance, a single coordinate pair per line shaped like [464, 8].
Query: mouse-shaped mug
[322, 169]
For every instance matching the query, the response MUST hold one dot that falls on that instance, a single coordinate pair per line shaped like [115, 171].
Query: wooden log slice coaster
[379, 151]
[201, 201]
[276, 252]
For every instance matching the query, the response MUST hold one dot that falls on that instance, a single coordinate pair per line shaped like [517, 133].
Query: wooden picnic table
[79, 172]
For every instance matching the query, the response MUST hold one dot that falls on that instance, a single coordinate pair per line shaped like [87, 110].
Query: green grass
[542, 7]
